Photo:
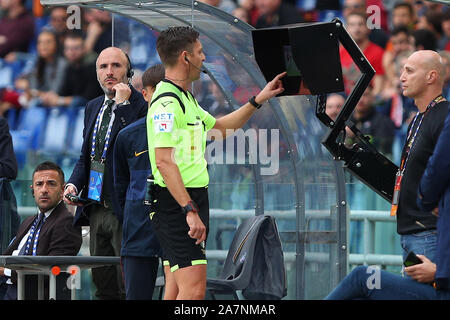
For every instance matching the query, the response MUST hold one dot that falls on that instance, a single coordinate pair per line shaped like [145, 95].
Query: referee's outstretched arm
[239, 117]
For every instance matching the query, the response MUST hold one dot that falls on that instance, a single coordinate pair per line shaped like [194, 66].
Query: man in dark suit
[9, 219]
[8, 162]
[49, 233]
[93, 175]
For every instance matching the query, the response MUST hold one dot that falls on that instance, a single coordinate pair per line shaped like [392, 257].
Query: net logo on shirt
[163, 122]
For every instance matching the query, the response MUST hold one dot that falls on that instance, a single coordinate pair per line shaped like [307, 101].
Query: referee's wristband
[254, 103]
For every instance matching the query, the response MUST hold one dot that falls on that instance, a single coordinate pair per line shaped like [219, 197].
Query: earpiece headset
[130, 71]
[200, 69]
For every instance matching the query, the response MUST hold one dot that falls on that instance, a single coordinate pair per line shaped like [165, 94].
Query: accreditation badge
[396, 195]
[96, 180]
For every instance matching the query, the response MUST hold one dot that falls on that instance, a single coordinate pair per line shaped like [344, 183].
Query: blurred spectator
[58, 23]
[276, 13]
[226, 5]
[8, 162]
[424, 40]
[446, 59]
[377, 36]
[401, 42]
[334, 104]
[431, 7]
[376, 126]
[398, 108]
[16, 27]
[403, 15]
[201, 92]
[251, 8]
[80, 81]
[242, 14]
[357, 28]
[219, 106]
[444, 42]
[431, 21]
[49, 71]
[99, 31]
[419, 7]
[8, 99]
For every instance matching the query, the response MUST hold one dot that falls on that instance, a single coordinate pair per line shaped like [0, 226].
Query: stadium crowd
[43, 61]
[49, 69]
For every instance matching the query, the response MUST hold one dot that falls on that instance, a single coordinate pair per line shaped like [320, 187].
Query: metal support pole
[20, 285]
[52, 294]
[40, 286]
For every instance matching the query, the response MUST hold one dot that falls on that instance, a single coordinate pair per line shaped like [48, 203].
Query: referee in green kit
[177, 131]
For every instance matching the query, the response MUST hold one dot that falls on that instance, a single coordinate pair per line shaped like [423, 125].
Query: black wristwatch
[254, 103]
[191, 206]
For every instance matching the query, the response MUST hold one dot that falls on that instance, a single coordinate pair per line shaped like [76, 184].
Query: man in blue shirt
[140, 248]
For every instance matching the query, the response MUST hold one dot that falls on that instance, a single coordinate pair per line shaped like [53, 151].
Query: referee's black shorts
[170, 226]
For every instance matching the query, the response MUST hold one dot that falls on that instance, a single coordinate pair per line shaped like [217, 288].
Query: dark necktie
[101, 134]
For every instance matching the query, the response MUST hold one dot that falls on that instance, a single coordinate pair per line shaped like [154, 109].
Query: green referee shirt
[169, 127]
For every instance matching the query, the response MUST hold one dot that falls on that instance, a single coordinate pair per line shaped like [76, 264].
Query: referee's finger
[202, 237]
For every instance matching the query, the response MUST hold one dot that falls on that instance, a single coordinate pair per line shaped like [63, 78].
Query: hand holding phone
[77, 200]
[411, 259]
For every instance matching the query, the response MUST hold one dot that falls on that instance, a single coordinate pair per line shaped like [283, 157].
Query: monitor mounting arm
[362, 159]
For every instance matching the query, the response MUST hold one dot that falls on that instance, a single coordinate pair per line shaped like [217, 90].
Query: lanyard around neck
[108, 132]
[35, 228]
[411, 139]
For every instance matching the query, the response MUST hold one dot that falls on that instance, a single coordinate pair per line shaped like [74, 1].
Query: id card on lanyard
[98, 167]
[96, 180]
[410, 143]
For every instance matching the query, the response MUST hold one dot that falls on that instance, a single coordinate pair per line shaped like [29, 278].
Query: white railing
[369, 218]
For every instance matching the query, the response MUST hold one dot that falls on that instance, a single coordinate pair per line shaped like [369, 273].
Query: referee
[177, 131]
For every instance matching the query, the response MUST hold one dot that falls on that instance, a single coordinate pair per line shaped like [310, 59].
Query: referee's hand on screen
[197, 229]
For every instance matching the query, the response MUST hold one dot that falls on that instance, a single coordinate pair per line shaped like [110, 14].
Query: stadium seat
[6, 74]
[75, 137]
[55, 133]
[29, 130]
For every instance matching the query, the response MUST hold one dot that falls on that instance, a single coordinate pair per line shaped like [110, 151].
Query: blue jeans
[360, 284]
[423, 243]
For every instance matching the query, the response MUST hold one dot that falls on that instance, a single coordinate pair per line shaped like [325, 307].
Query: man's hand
[2, 271]
[435, 212]
[197, 229]
[271, 89]
[423, 272]
[123, 92]
[70, 190]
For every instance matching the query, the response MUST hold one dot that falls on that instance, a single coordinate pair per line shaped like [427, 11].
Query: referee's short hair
[172, 41]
